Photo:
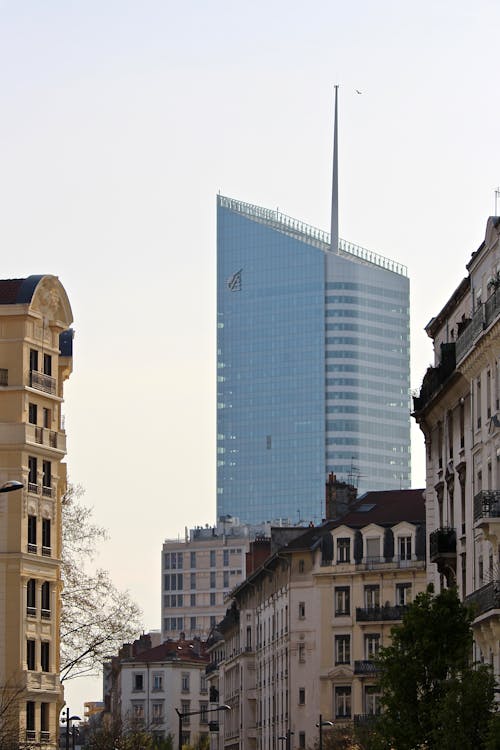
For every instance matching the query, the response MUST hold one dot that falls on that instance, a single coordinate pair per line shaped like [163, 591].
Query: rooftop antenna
[497, 196]
[334, 230]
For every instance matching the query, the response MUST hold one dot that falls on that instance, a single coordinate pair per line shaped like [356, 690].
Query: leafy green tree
[432, 696]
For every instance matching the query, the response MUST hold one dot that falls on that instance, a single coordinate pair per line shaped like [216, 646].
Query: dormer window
[404, 547]
[343, 550]
[373, 549]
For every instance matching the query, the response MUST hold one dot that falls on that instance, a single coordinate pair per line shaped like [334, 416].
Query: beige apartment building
[458, 411]
[302, 631]
[198, 572]
[35, 360]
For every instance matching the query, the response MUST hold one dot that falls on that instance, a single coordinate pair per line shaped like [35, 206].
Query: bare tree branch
[96, 618]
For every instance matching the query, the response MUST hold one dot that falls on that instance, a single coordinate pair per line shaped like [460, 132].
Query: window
[302, 696]
[203, 712]
[47, 364]
[157, 681]
[342, 601]
[225, 557]
[212, 580]
[302, 610]
[343, 550]
[47, 478]
[404, 547]
[186, 708]
[46, 543]
[32, 534]
[32, 413]
[30, 720]
[301, 566]
[44, 721]
[212, 558]
[185, 682]
[4, 376]
[193, 600]
[138, 710]
[30, 654]
[158, 713]
[403, 594]
[45, 656]
[225, 579]
[302, 740]
[372, 645]
[192, 580]
[212, 621]
[373, 548]
[372, 700]
[33, 359]
[47, 421]
[212, 600]
[193, 559]
[203, 683]
[138, 682]
[372, 596]
[342, 649]
[342, 702]
[32, 474]
[193, 623]
[45, 599]
[31, 597]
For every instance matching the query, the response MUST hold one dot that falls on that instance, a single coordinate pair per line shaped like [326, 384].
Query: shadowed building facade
[312, 366]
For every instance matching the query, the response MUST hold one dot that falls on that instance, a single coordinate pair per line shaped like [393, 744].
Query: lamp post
[184, 715]
[67, 720]
[11, 485]
[322, 723]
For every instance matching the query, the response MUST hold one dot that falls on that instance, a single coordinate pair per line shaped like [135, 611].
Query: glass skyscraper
[313, 366]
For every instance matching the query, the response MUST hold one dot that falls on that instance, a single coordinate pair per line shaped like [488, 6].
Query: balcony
[365, 667]
[485, 599]
[435, 377]
[487, 514]
[212, 667]
[443, 552]
[484, 316]
[363, 720]
[42, 382]
[380, 614]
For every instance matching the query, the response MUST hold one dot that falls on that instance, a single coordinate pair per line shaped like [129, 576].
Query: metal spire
[334, 230]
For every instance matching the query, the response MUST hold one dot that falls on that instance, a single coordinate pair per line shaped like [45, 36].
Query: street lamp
[184, 715]
[287, 739]
[322, 723]
[11, 485]
[67, 720]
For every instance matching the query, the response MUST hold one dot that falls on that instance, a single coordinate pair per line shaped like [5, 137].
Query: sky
[121, 121]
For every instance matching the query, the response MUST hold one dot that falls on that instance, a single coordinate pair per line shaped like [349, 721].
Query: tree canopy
[433, 697]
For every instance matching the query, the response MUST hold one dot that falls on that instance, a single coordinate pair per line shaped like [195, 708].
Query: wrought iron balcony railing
[484, 316]
[379, 614]
[365, 666]
[442, 542]
[43, 382]
[485, 599]
[487, 504]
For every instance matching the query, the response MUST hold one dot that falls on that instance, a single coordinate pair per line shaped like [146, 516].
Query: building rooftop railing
[313, 235]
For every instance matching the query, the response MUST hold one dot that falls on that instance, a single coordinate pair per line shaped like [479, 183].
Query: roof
[173, 651]
[18, 291]
[384, 507]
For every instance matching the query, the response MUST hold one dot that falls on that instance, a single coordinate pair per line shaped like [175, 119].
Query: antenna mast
[334, 231]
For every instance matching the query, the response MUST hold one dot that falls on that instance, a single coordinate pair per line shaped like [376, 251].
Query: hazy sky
[120, 123]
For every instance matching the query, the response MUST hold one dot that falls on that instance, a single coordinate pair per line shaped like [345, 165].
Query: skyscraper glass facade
[312, 367]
